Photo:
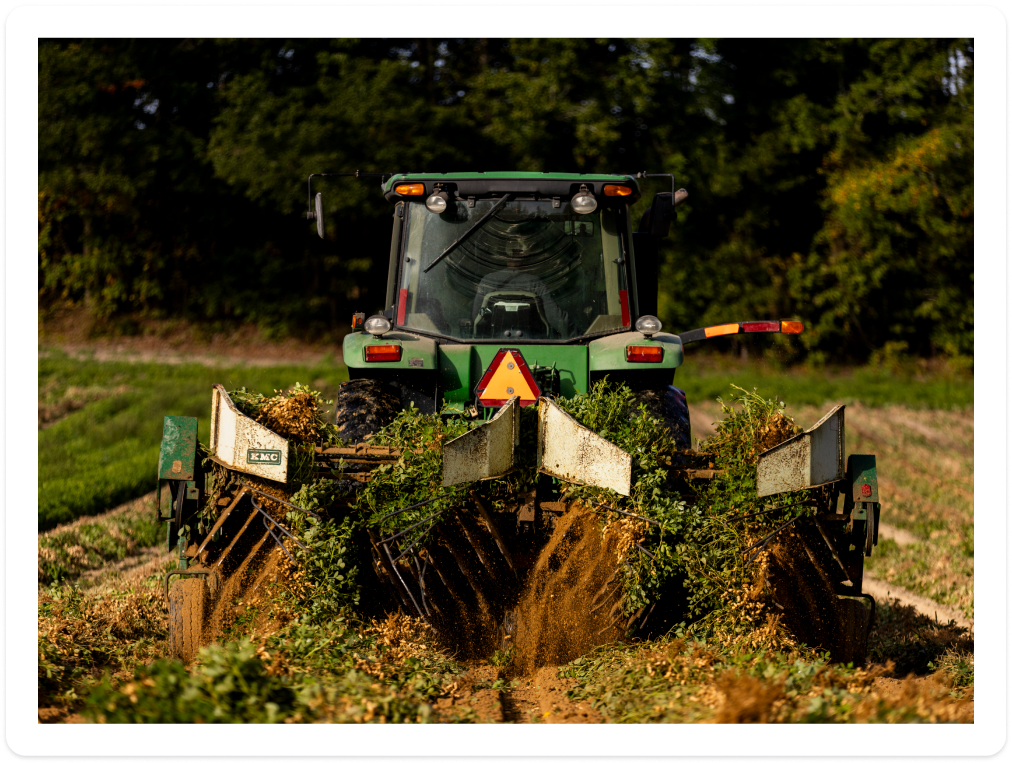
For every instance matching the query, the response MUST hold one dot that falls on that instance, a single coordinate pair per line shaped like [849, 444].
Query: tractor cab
[541, 264]
[488, 260]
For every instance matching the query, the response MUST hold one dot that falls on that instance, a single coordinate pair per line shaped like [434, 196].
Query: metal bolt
[509, 390]
[510, 366]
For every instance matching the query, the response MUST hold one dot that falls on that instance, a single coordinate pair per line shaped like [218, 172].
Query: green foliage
[328, 563]
[717, 561]
[830, 180]
[231, 686]
[329, 672]
[893, 261]
[90, 545]
[832, 189]
[692, 546]
[502, 658]
[416, 477]
[608, 410]
[106, 453]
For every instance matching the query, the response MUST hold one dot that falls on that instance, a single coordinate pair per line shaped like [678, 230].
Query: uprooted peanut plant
[312, 650]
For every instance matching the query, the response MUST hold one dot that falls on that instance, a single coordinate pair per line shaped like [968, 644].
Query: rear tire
[186, 617]
[670, 406]
[364, 406]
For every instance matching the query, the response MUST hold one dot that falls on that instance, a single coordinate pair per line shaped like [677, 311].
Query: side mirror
[319, 214]
[657, 220]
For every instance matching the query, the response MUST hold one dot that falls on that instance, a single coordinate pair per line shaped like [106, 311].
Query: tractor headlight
[436, 202]
[648, 325]
[584, 202]
[378, 325]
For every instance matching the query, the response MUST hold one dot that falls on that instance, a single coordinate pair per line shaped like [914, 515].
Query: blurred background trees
[830, 180]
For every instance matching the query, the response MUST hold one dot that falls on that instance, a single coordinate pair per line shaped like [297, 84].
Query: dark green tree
[830, 180]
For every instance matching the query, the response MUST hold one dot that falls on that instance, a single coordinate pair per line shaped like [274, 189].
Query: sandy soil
[537, 698]
[883, 591]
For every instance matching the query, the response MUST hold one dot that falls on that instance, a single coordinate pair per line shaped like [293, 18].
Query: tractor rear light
[617, 190]
[410, 189]
[791, 327]
[750, 326]
[644, 353]
[383, 353]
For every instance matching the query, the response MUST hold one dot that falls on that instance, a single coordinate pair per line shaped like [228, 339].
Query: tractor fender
[609, 353]
[417, 352]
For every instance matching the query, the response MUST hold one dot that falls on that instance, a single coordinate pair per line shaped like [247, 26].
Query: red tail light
[385, 353]
[644, 353]
[750, 326]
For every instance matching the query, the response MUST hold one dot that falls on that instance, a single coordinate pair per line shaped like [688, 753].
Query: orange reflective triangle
[508, 380]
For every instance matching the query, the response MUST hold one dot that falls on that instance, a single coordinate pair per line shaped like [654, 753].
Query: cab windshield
[531, 271]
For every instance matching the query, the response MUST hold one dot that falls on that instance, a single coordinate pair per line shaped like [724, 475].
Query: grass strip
[106, 452]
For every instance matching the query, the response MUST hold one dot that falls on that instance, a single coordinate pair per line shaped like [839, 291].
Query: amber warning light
[745, 327]
[410, 189]
[617, 190]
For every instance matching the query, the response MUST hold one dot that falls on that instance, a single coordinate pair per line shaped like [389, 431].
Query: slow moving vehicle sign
[507, 375]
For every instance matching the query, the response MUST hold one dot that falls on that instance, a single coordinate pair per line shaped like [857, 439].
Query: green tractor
[549, 266]
[505, 290]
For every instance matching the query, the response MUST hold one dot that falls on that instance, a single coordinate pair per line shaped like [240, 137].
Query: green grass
[92, 543]
[870, 386]
[106, 452]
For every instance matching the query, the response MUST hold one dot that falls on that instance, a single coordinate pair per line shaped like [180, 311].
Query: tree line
[830, 181]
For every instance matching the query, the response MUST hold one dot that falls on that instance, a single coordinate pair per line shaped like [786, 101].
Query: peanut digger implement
[506, 290]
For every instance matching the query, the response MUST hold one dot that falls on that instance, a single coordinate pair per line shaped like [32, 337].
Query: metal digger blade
[240, 443]
[572, 452]
[486, 452]
[812, 458]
